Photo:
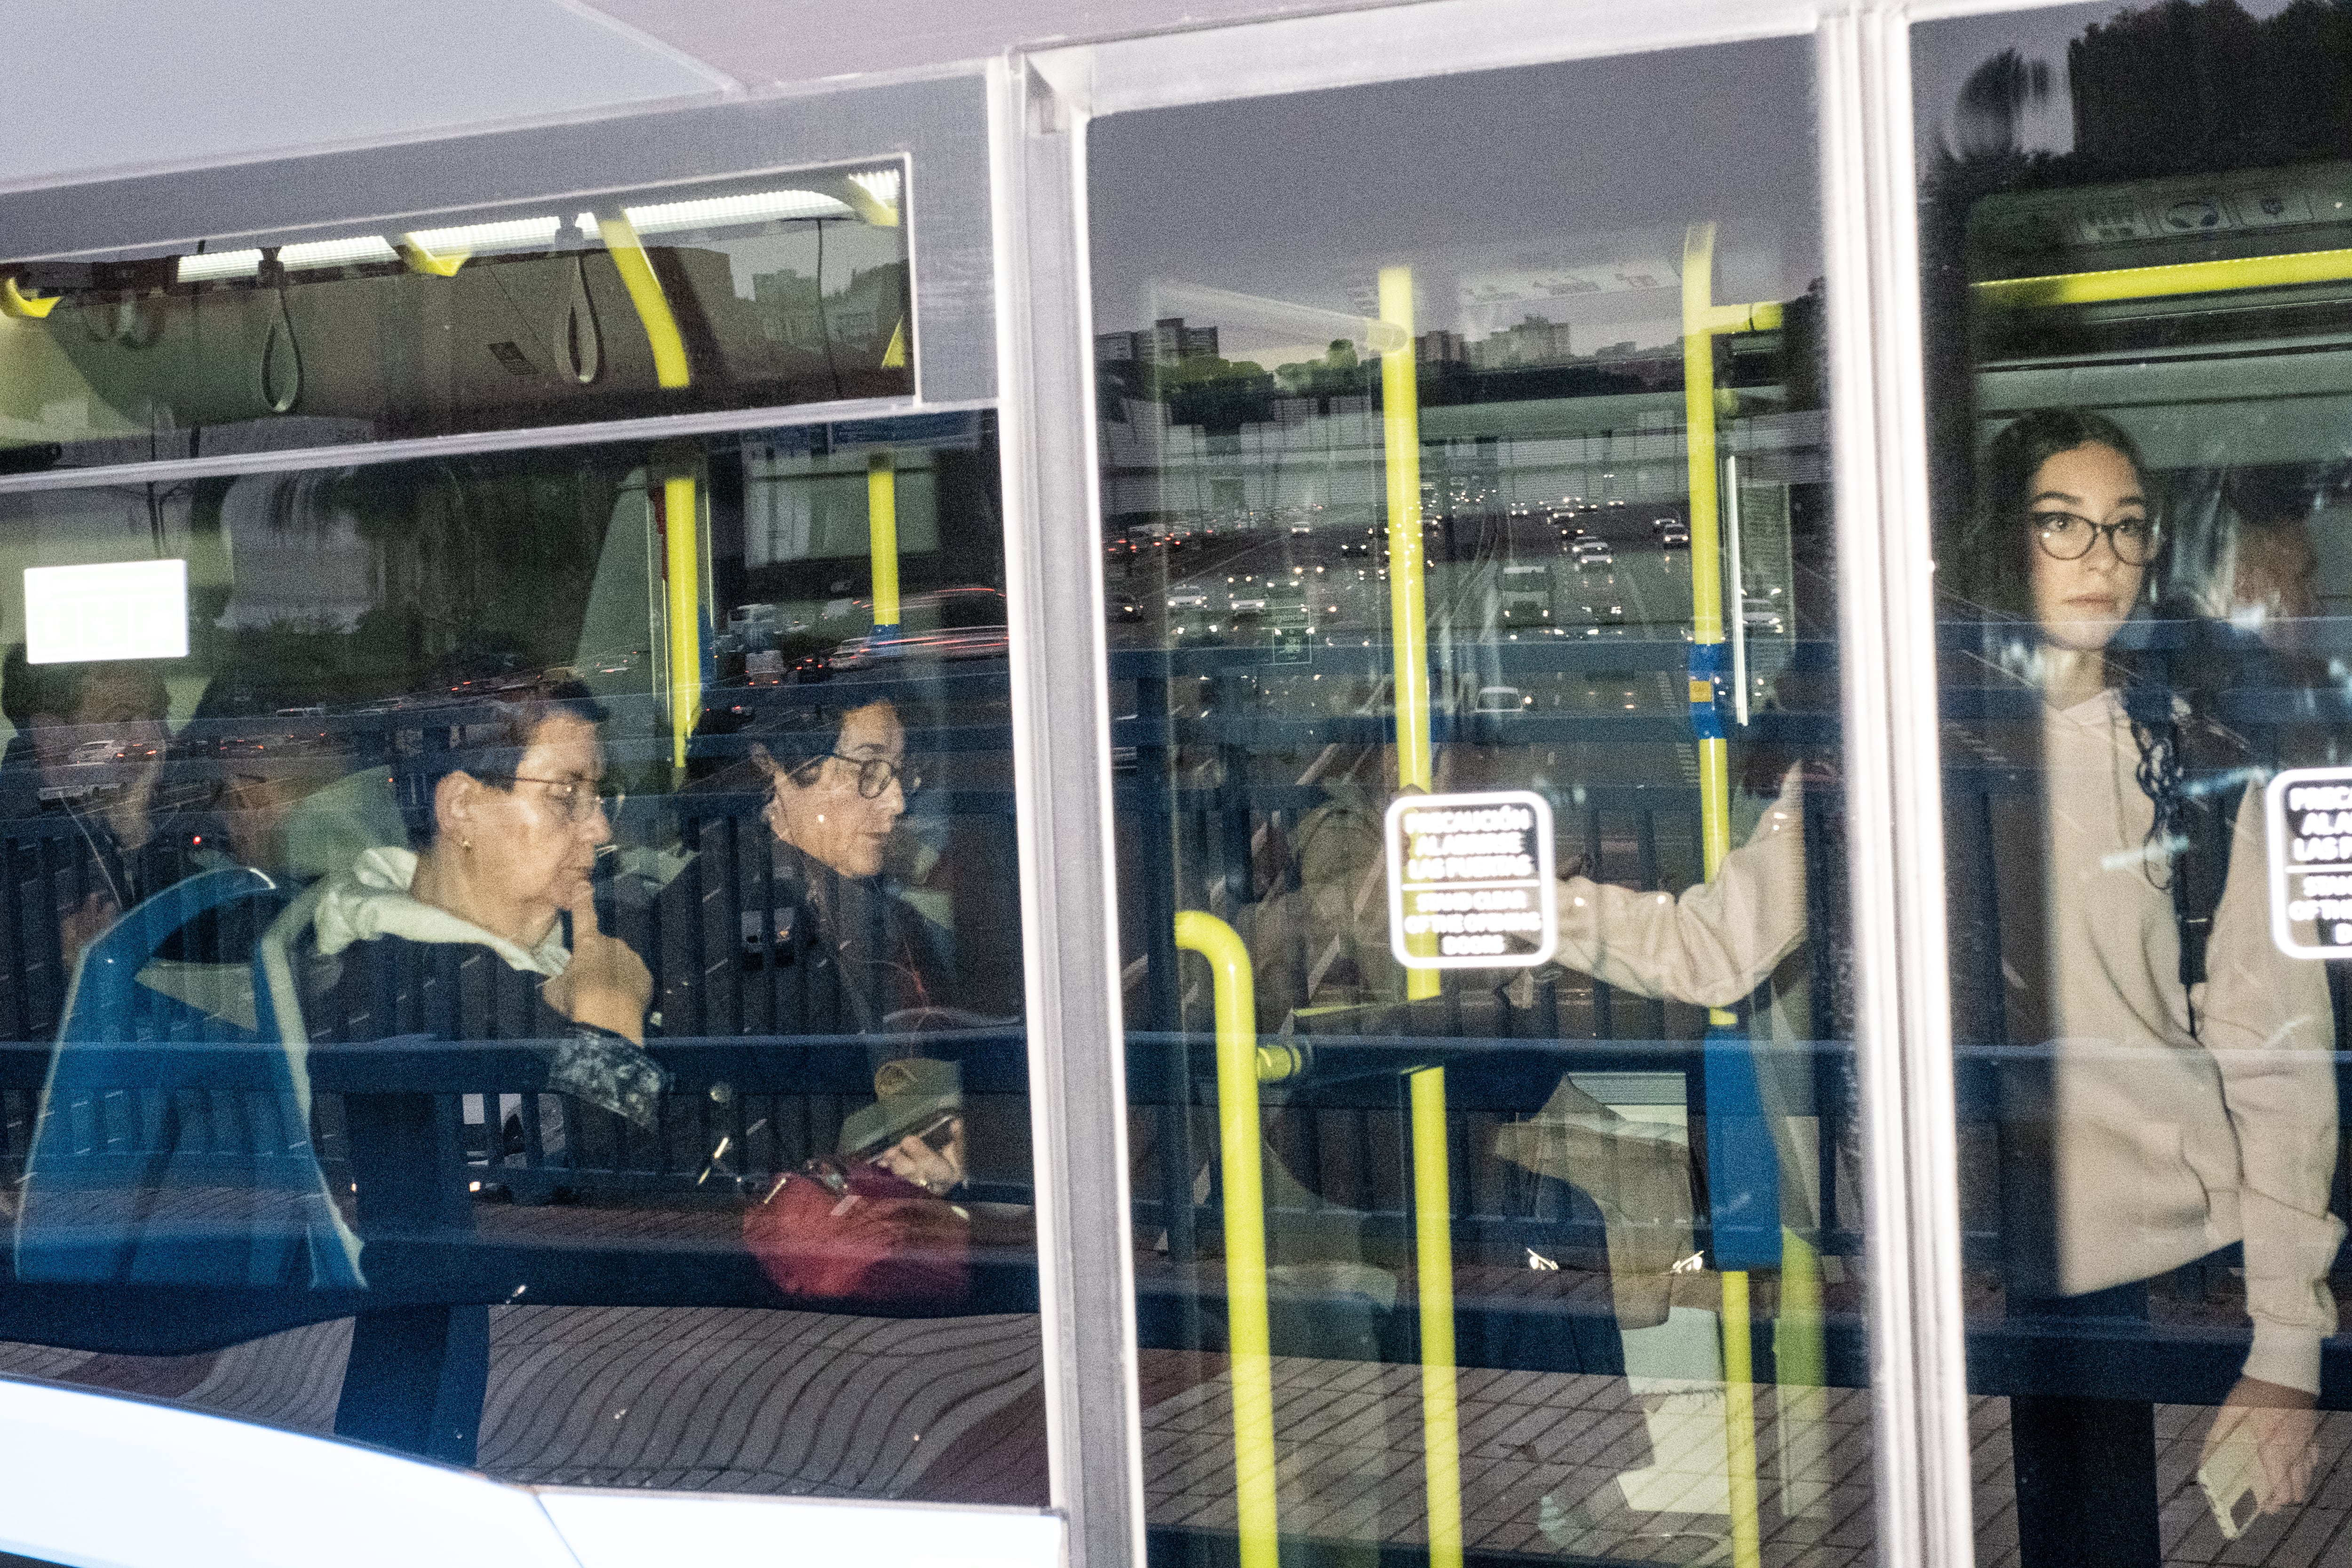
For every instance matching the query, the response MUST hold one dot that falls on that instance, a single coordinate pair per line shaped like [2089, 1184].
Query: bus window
[1471, 657]
[524, 933]
[2136, 300]
[739, 294]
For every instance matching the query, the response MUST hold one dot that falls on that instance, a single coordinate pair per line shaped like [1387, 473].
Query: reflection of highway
[1204, 591]
[1487, 634]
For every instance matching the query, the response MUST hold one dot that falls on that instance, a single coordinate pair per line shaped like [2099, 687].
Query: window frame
[1042, 105]
[937, 125]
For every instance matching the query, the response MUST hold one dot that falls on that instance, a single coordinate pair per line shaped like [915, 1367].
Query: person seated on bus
[851, 955]
[465, 939]
[84, 784]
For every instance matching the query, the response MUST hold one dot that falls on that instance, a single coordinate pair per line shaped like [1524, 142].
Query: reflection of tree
[2182, 87]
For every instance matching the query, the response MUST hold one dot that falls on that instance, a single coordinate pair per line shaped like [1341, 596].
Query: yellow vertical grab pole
[1433, 1236]
[882, 538]
[1432, 1184]
[1705, 532]
[1249, 1336]
[1700, 321]
[682, 529]
[1701, 318]
[1407, 604]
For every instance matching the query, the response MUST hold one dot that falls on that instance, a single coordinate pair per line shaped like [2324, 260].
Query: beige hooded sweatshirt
[2168, 1145]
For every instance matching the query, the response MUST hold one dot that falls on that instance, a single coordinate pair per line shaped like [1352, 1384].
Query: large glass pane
[742, 294]
[1469, 556]
[2137, 226]
[515, 958]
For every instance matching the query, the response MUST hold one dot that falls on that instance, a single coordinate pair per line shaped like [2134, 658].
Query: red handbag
[828, 1234]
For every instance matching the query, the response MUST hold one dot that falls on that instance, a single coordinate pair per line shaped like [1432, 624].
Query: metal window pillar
[1894, 804]
[1061, 748]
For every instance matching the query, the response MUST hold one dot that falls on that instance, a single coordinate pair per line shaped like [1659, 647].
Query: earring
[466, 845]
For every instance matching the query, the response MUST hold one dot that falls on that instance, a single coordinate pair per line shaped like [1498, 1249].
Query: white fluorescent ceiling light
[358, 250]
[219, 264]
[511, 235]
[118, 609]
[717, 210]
[882, 185]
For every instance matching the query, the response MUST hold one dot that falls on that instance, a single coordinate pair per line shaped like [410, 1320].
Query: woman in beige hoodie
[2181, 1116]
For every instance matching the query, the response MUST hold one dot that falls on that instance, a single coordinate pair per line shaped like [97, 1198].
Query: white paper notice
[122, 609]
[1470, 881]
[2309, 818]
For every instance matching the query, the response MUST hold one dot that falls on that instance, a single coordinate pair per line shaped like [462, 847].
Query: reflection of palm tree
[1996, 93]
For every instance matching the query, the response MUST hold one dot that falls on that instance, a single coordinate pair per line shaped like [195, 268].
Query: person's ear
[456, 804]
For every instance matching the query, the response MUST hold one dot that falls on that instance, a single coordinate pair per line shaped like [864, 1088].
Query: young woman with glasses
[2167, 1088]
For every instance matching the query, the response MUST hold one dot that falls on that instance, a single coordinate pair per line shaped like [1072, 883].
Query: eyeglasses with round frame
[577, 799]
[2066, 537]
[874, 774]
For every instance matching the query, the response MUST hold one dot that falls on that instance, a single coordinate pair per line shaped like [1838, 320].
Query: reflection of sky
[1559, 191]
[1943, 53]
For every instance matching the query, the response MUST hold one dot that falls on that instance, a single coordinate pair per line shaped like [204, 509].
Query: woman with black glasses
[850, 956]
[2166, 1090]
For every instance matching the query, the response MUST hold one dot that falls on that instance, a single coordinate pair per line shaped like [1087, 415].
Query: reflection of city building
[1533, 342]
[1441, 347]
[1165, 341]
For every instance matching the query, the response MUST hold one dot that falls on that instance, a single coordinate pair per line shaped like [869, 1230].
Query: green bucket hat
[909, 1093]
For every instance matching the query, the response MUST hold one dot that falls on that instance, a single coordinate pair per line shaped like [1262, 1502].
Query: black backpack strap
[2208, 821]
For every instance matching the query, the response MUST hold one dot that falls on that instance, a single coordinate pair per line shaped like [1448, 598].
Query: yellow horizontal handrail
[1249, 1335]
[2162, 282]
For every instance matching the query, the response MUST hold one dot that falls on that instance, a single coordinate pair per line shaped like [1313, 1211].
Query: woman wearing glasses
[850, 956]
[463, 940]
[2187, 1099]
[2174, 1094]
[510, 837]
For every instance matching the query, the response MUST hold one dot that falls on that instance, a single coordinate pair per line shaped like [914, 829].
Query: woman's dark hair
[798, 737]
[489, 744]
[1990, 572]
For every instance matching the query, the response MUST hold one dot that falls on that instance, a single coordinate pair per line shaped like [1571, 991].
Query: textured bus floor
[695, 1398]
[799, 1403]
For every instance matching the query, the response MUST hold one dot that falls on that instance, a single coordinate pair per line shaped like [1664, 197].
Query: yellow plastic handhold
[1702, 319]
[1408, 602]
[1249, 1333]
[13, 302]
[1739, 1420]
[421, 261]
[871, 209]
[895, 356]
[670, 368]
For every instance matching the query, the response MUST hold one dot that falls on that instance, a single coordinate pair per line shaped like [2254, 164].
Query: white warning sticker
[1470, 880]
[2309, 818]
